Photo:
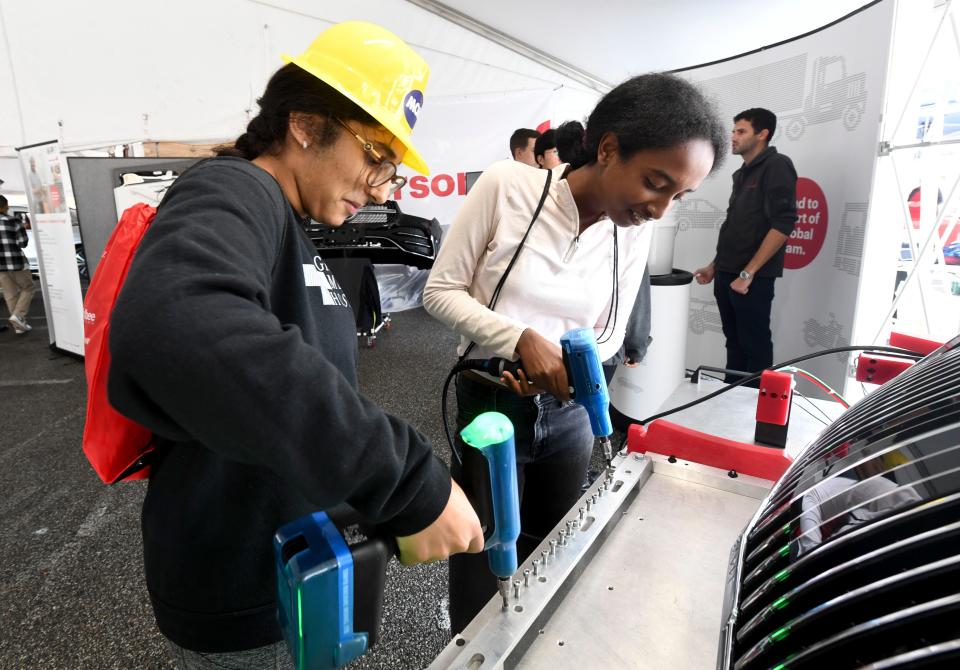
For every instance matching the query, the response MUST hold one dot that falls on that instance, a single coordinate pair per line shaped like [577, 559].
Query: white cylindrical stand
[660, 259]
[637, 392]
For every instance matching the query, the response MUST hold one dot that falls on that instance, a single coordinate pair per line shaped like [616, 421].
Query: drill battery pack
[329, 593]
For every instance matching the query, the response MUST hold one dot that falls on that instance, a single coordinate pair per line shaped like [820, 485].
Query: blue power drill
[588, 386]
[490, 483]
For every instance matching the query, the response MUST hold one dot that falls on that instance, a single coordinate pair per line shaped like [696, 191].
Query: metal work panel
[497, 637]
[651, 597]
[640, 587]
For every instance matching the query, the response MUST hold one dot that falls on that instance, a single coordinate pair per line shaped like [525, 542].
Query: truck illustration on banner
[833, 95]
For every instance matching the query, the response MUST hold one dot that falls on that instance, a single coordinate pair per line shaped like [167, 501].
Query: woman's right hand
[543, 368]
[456, 530]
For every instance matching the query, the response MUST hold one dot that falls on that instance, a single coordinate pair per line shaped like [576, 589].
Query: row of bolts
[565, 535]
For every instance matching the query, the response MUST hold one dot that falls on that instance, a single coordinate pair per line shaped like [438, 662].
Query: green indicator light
[780, 634]
[780, 603]
[300, 624]
[488, 428]
[783, 574]
[784, 550]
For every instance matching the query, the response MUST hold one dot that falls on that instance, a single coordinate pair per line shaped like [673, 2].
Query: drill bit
[503, 586]
[607, 449]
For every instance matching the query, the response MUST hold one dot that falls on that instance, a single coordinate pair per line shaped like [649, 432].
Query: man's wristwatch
[745, 276]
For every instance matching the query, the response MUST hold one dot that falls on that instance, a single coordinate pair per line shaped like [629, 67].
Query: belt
[480, 378]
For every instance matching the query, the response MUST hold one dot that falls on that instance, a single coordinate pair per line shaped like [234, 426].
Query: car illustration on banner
[704, 316]
[698, 213]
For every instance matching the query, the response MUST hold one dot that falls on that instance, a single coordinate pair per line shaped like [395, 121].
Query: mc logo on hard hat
[411, 107]
[377, 71]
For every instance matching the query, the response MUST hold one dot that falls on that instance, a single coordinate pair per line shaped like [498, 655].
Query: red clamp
[773, 408]
[687, 444]
[919, 344]
[880, 369]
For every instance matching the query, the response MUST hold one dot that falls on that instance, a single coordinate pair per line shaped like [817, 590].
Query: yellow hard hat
[377, 71]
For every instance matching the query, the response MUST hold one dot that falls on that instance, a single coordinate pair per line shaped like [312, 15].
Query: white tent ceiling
[614, 39]
[94, 74]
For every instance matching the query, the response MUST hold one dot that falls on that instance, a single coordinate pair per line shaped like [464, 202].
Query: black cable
[615, 293]
[906, 353]
[443, 409]
[492, 366]
[798, 393]
[811, 414]
[814, 405]
[503, 278]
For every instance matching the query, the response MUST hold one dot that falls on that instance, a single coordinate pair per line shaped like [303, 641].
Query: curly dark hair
[650, 111]
[293, 89]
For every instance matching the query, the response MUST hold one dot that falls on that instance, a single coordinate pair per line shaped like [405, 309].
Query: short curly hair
[650, 111]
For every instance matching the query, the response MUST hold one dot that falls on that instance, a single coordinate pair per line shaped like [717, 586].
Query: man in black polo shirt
[750, 249]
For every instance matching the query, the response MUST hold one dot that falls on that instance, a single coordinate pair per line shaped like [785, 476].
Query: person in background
[751, 245]
[521, 145]
[649, 141]
[15, 278]
[232, 341]
[545, 150]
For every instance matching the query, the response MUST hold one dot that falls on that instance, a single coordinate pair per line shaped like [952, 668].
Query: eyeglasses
[383, 170]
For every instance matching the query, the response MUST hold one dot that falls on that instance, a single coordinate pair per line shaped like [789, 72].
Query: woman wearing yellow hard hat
[234, 344]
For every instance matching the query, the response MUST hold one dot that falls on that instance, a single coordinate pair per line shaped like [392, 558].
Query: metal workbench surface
[651, 597]
[641, 582]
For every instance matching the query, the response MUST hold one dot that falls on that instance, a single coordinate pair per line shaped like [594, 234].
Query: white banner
[826, 89]
[43, 178]
[465, 134]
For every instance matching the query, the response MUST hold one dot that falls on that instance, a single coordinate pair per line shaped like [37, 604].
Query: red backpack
[114, 445]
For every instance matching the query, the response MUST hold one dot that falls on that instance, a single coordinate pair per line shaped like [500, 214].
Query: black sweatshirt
[233, 343]
[763, 198]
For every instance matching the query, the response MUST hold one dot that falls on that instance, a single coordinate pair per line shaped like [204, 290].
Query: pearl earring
[305, 144]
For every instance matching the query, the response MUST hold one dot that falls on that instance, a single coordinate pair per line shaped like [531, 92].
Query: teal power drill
[489, 481]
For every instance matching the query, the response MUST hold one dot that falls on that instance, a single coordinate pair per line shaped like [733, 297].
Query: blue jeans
[746, 323]
[273, 657]
[553, 445]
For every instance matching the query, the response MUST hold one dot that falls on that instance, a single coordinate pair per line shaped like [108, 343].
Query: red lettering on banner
[419, 187]
[442, 185]
[808, 235]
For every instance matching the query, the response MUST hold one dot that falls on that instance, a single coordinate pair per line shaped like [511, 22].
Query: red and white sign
[808, 235]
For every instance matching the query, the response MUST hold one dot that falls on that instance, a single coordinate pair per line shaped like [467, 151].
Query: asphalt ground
[72, 593]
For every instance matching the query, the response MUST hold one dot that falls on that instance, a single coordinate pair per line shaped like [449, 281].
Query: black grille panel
[854, 558]
[381, 233]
